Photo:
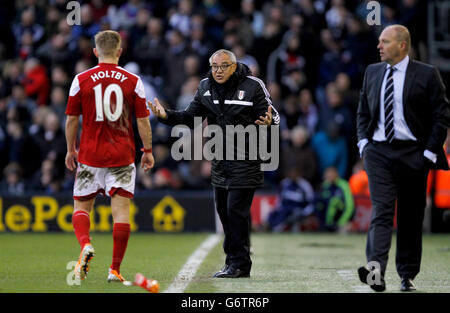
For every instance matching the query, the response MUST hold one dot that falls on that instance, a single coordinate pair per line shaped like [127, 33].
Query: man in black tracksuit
[230, 96]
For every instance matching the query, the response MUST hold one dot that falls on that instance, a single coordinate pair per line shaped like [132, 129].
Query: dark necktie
[389, 106]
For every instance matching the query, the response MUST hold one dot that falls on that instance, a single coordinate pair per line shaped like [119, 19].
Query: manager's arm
[181, 117]
[440, 112]
[363, 117]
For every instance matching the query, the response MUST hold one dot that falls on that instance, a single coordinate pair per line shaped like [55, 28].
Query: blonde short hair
[107, 42]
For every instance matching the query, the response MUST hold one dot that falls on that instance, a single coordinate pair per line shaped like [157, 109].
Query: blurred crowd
[310, 53]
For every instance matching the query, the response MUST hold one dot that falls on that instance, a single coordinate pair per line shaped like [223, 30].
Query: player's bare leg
[81, 225]
[120, 207]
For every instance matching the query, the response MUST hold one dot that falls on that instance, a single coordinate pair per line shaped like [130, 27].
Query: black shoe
[224, 268]
[232, 272]
[407, 284]
[363, 272]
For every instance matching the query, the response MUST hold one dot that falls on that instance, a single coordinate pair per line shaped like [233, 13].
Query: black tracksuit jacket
[239, 101]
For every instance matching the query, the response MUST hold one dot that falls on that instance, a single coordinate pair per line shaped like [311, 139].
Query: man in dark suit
[402, 122]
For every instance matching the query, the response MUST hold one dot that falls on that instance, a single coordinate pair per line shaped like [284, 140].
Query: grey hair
[227, 52]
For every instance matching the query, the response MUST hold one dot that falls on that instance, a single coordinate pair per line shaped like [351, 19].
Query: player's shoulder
[79, 78]
[86, 73]
[132, 75]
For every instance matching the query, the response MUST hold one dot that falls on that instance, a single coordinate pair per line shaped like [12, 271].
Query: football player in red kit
[106, 96]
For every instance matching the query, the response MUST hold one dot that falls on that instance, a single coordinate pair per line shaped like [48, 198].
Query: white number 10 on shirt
[103, 104]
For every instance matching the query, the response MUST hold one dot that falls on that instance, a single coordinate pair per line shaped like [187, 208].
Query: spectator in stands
[359, 182]
[300, 154]
[83, 48]
[335, 110]
[99, 9]
[241, 30]
[296, 202]
[48, 179]
[336, 17]
[58, 101]
[81, 66]
[51, 142]
[165, 179]
[13, 183]
[275, 93]
[28, 28]
[331, 63]
[196, 174]
[349, 95]
[191, 66]
[3, 135]
[199, 42]
[20, 100]
[358, 43]
[36, 82]
[174, 59]
[150, 90]
[150, 51]
[144, 182]
[289, 117]
[36, 7]
[16, 139]
[180, 18]
[253, 16]
[283, 62]
[55, 52]
[188, 91]
[12, 74]
[125, 16]
[266, 44]
[309, 116]
[139, 29]
[247, 59]
[18, 142]
[331, 149]
[335, 206]
[89, 27]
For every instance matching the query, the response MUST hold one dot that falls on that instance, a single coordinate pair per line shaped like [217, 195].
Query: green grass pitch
[282, 263]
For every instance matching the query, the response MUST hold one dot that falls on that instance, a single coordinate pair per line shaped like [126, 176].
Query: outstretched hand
[267, 119]
[157, 108]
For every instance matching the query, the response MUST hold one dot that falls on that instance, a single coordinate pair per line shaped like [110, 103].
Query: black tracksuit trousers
[233, 207]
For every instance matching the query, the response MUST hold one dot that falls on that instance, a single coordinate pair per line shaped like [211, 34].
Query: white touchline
[191, 266]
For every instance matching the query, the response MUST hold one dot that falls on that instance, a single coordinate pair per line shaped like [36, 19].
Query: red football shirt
[107, 96]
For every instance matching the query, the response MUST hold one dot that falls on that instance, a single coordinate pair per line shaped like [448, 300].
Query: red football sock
[81, 224]
[121, 233]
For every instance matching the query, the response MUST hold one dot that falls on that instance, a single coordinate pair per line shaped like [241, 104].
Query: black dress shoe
[407, 284]
[363, 272]
[232, 272]
[224, 268]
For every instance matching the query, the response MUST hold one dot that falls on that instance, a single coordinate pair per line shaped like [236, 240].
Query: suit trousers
[233, 207]
[397, 179]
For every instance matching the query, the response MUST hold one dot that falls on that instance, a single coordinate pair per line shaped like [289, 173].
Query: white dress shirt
[401, 130]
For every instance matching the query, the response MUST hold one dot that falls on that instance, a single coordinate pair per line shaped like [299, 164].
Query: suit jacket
[425, 106]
